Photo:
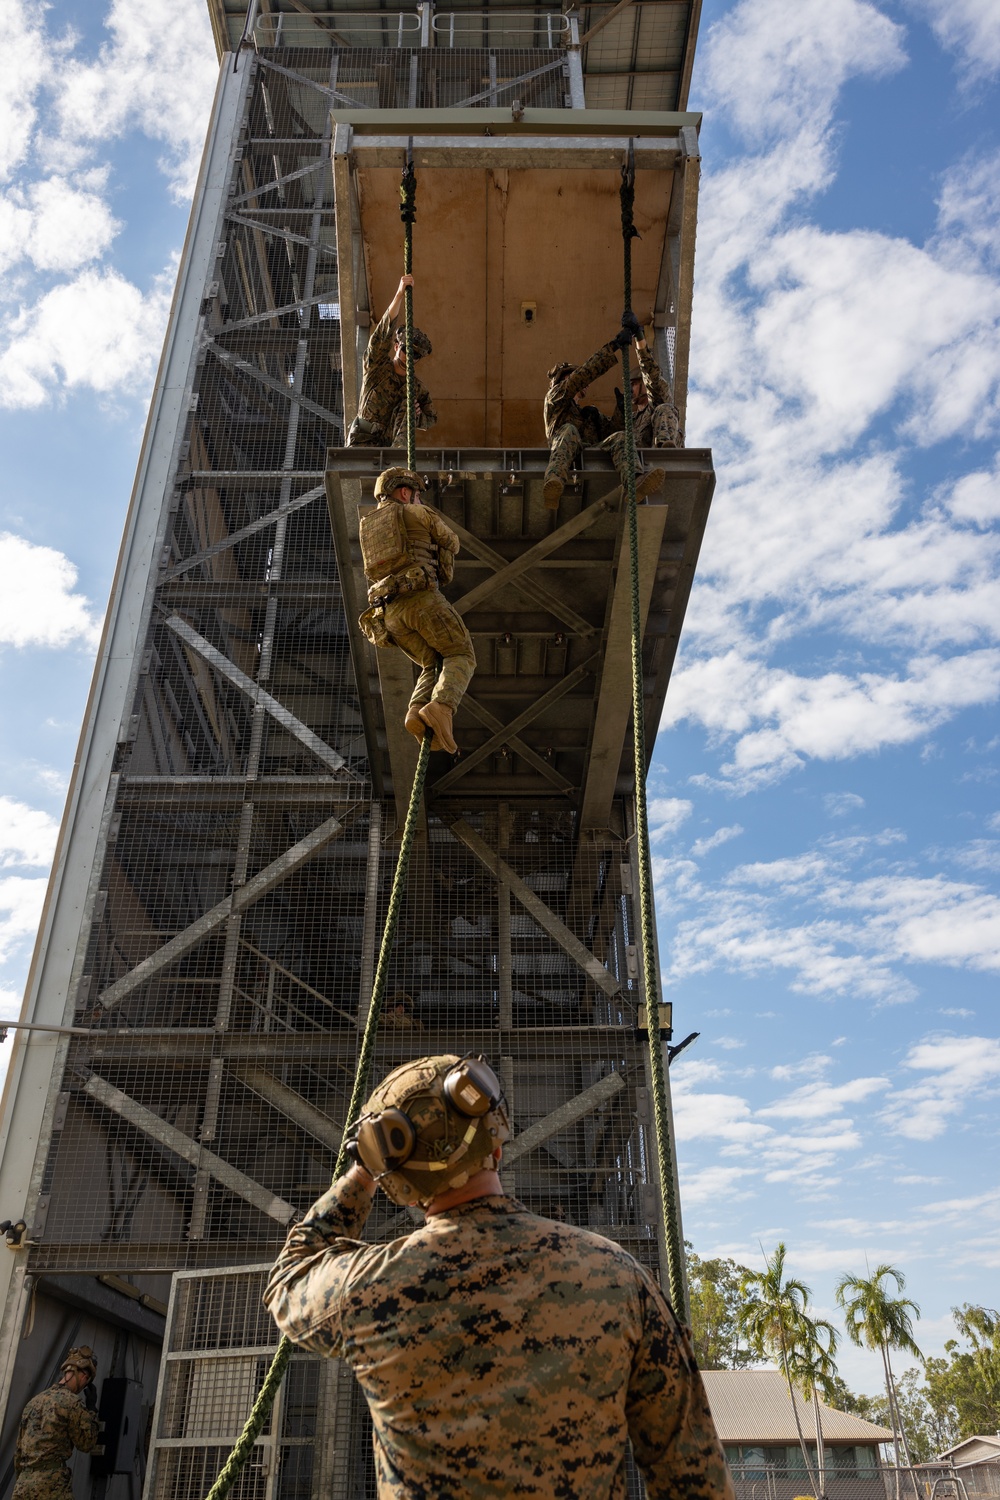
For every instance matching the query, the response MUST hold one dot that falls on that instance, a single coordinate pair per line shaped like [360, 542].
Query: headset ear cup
[386, 1141]
[472, 1087]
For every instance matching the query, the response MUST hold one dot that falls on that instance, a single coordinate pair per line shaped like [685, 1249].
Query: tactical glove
[631, 322]
[351, 1145]
[622, 338]
[90, 1396]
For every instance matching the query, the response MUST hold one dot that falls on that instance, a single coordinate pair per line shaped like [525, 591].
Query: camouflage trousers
[567, 443]
[659, 427]
[432, 634]
[43, 1484]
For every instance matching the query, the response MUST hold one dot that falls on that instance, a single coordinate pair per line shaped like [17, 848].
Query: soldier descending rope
[407, 552]
[54, 1423]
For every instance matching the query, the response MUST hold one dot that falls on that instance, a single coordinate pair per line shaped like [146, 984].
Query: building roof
[752, 1406]
[982, 1448]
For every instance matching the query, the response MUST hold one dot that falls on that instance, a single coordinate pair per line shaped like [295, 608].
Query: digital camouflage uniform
[418, 616]
[657, 424]
[501, 1354]
[383, 394]
[53, 1423]
[570, 427]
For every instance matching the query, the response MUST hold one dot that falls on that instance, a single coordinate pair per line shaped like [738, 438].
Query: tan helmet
[421, 343]
[390, 479]
[82, 1358]
[431, 1125]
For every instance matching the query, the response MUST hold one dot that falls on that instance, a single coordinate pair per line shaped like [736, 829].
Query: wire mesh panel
[245, 876]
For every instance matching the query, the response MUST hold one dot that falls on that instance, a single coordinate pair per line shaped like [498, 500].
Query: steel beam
[262, 522]
[557, 930]
[536, 592]
[503, 734]
[490, 721]
[291, 1104]
[562, 1118]
[188, 1150]
[272, 875]
[258, 697]
[614, 695]
[527, 560]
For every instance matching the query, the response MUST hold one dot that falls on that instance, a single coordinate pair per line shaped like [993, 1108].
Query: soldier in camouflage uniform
[655, 419]
[501, 1354]
[54, 1423]
[381, 418]
[570, 426]
[415, 614]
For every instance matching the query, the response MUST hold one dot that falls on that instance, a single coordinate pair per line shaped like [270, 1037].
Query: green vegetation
[741, 1317]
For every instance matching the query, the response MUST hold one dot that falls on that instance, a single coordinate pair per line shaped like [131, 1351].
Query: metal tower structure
[206, 953]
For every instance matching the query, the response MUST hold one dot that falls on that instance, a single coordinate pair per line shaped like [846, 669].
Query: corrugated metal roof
[752, 1406]
[981, 1448]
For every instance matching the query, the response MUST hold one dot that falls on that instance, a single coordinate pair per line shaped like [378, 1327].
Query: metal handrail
[489, 22]
[284, 29]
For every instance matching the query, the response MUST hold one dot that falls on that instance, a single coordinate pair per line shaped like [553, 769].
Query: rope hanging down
[243, 1447]
[408, 212]
[661, 1120]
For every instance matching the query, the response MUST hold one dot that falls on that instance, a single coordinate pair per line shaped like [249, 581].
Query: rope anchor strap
[657, 1077]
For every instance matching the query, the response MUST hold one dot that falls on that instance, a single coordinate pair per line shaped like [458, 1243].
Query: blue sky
[825, 792]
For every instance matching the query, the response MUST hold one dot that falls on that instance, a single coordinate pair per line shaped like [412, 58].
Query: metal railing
[414, 28]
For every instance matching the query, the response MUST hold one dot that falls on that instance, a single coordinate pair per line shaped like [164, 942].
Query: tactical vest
[385, 547]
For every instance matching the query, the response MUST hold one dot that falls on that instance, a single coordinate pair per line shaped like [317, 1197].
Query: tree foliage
[714, 1292]
[964, 1388]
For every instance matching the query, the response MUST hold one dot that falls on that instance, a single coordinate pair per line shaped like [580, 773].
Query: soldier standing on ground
[381, 418]
[407, 551]
[500, 1353]
[570, 426]
[54, 1423]
[655, 419]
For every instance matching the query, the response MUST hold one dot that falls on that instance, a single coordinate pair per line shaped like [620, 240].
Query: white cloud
[97, 331]
[37, 604]
[28, 62]
[55, 224]
[976, 497]
[666, 814]
[813, 1066]
[720, 836]
[775, 67]
[27, 835]
[839, 804]
[158, 72]
[960, 1071]
[20, 910]
[969, 28]
[812, 1103]
[714, 1185]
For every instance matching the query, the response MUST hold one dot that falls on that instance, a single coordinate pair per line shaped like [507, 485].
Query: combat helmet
[390, 479]
[430, 1125]
[82, 1358]
[420, 343]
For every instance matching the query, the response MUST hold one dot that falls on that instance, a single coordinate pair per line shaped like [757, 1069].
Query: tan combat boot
[648, 484]
[552, 491]
[438, 716]
[413, 723]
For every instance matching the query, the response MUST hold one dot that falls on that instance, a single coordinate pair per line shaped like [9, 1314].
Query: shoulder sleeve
[596, 365]
[382, 333]
[441, 531]
[83, 1427]
[656, 386]
[428, 416]
[674, 1438]
[307, 1280]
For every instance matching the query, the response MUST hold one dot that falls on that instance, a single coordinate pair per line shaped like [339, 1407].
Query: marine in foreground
[500, 1353]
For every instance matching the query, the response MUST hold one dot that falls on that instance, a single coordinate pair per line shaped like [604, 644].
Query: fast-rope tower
[216, 916]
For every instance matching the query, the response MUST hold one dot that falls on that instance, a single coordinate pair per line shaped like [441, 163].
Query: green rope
[661, 1119]
[408, 212]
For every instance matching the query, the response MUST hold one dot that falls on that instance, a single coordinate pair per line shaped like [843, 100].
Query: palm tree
[812, 1368]
[772, 1319]
[879, 1321]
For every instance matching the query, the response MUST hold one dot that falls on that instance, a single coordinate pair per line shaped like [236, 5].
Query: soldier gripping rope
[54, 1423]
[500, 1353]
[407, 551]
[381, 419]
[570, 426]
[655, 419]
